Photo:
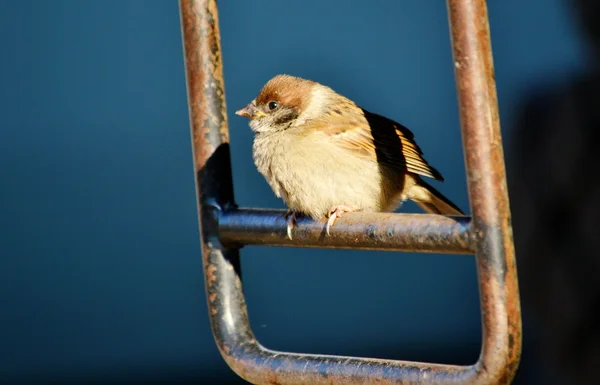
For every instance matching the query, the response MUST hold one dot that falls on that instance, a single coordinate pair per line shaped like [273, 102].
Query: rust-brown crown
[286, 90]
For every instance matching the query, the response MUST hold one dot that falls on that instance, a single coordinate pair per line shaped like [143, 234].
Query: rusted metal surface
[223, 226]
[366, 231]
[486, 177]
[214, 188]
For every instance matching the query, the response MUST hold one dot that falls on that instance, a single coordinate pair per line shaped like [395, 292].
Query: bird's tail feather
[432, 201]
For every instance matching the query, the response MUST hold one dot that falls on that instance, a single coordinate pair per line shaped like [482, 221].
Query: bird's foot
[290, 217]
[337, 212]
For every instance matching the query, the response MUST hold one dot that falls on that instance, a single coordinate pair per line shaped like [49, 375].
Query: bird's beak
[250, 112]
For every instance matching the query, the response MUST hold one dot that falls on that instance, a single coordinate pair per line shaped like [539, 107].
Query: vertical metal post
[486, 178]
[212, 167]
[488, 233]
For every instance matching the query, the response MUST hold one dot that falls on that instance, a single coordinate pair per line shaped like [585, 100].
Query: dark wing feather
[380, 139]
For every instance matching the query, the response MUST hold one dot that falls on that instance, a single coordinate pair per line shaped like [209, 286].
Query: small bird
[325, 156]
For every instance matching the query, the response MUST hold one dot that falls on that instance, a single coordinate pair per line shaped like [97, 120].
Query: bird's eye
[273, 105]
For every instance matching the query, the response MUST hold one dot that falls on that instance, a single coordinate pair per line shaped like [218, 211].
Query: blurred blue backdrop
[100, 269]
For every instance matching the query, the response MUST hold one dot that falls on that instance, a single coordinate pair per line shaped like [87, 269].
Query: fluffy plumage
[324, 155]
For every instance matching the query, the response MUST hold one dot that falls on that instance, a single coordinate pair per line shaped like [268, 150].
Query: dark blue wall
[100, 268]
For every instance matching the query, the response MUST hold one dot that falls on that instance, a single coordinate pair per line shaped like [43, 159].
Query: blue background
[100, 267]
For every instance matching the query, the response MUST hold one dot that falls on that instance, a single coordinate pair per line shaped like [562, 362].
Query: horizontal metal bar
[259, 365]
[366, 231]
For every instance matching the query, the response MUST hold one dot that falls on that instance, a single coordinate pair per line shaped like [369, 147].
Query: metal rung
[361, 231]
[225, 228]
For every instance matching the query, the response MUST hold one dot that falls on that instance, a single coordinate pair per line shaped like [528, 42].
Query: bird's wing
[380, 139]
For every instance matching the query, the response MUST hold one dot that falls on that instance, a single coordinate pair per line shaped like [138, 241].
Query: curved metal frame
[224, 227]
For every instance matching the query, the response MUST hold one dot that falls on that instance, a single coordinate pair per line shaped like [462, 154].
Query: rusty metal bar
[364, 231]
[223, 225]
[488, 196]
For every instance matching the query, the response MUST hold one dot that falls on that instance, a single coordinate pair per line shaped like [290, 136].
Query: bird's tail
[431, 200]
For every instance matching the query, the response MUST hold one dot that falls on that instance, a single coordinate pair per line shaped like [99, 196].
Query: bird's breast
[312, 175]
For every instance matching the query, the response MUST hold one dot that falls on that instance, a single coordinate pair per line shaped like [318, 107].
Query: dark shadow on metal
[224, 228]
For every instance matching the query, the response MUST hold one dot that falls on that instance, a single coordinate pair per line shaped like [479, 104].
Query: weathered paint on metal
[488, 196]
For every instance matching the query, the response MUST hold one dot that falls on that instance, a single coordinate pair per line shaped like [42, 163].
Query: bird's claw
[335, 213]
[290, 217]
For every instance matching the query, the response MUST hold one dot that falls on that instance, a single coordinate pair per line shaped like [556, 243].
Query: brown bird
[324, 155]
